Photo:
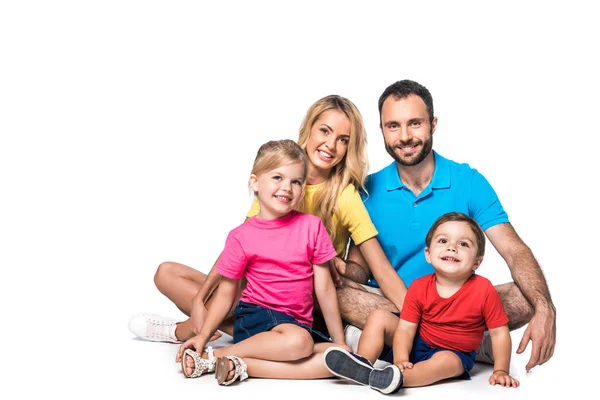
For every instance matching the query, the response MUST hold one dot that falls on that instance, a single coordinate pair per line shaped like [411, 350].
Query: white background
[128, 129]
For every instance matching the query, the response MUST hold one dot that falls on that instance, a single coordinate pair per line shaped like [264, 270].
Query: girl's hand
[404, 365]
[503, 379]
[196, 343]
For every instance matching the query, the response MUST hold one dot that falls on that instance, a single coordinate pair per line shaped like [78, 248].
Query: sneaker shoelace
[158, 329]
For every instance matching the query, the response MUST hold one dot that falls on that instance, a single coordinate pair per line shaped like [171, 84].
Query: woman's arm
[328, 302]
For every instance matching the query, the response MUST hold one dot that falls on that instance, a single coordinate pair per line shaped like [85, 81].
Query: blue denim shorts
[251, 319]
[421, 351]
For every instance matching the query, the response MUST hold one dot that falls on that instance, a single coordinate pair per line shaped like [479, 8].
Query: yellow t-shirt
[355, 221]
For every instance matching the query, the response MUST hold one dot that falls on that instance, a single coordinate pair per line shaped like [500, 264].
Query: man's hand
[337, 267]
[197, 317]
[542, 333]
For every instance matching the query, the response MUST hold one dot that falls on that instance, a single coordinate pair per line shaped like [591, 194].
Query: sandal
[222, 370]
[201, 365]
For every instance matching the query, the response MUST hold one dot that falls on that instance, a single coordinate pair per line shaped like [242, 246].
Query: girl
[280, 252]
[334, 140]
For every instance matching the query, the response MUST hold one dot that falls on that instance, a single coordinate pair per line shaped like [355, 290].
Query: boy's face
[453, 250]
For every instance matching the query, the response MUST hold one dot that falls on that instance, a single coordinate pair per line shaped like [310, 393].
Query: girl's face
[279, 190]
[328, 141]
[453, 250]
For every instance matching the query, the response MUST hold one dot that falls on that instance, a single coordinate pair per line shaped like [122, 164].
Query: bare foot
[188, 363]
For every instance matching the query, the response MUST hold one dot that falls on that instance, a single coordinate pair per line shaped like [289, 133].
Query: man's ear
[253, 183]
[427, 255]
[434, 125]
[477, 263]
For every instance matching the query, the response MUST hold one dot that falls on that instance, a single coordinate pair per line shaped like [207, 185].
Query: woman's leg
[180, 283]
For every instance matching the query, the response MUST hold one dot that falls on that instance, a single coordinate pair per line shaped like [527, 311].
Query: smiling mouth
[283, 199]
[325, 155]
[450, 259]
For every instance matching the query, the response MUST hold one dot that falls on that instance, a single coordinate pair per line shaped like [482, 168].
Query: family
[333, 269]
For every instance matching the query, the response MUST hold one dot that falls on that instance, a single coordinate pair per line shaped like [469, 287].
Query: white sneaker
[352, 336]
[484, 352]
[153, 327]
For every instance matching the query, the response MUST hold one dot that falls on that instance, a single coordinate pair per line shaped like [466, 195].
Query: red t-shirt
[458, 322]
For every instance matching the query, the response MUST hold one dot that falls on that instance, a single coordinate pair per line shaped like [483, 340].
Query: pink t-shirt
[277, 258]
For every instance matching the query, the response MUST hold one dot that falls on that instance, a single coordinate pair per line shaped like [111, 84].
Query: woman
[334, 139]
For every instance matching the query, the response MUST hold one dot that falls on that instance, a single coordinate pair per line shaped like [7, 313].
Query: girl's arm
[328, 302]
[403, 341]
[388, 279]
[220, 307]
[501, 348]
[198, 312]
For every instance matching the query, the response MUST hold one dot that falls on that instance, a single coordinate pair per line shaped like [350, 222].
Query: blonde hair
[352, 169]
[276, 153]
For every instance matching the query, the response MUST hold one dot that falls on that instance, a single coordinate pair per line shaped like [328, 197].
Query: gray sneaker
[484, 351]
[387, 380]
[348, 365]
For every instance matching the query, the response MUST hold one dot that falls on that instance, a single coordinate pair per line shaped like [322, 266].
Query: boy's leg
[379, 331]
[442, 365]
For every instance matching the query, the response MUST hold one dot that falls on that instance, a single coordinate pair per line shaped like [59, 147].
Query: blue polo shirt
[403, 220]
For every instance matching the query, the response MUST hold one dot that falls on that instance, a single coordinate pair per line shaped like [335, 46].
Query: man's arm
[529, 278]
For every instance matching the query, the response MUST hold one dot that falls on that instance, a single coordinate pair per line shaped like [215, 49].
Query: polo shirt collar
[440, 179]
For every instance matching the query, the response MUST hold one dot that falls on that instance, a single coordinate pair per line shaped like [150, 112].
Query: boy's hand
[503, 379]
[404, 365]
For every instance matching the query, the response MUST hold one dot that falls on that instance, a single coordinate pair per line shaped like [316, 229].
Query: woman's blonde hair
[276, 153]
[353, 168]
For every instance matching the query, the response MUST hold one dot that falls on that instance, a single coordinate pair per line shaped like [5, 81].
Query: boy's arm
[403, 340]
[328, 302]
[501, 348]
[220, 307]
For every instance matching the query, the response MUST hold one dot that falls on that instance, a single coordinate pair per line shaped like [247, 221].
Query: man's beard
[415, 158]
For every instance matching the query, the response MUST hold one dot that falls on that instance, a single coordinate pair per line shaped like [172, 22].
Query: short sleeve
[484, 204]
[354, 215]
[324, 250]
[493, 310]
[232, 262]
[411, 309]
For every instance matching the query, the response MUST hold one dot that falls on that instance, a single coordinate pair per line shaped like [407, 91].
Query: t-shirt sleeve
[411, 309]
[324, 250]
[354, 215]
[493, 310]
[484, 204]
[232, 262]
[254, 209]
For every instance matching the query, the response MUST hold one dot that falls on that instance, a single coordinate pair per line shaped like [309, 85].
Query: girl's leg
[285, 342]
[311, 367]
[442, 365]
[379, 330]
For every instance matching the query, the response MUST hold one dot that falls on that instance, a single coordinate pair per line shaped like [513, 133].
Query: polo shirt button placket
[415, 205]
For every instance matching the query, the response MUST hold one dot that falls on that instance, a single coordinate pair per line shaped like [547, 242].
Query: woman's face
[328, 141]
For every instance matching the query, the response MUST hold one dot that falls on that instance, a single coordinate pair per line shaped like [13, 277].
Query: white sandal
[201, 365]
[222, 370]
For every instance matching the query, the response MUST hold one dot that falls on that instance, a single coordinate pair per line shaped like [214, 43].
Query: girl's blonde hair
[353, 168]
[276, 153]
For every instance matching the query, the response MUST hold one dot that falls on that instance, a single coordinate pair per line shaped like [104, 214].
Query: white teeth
[325, 154]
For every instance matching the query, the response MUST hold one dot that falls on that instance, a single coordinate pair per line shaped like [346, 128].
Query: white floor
[157, 376]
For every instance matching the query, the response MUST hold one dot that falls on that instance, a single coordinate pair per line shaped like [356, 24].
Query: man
[405, 198]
